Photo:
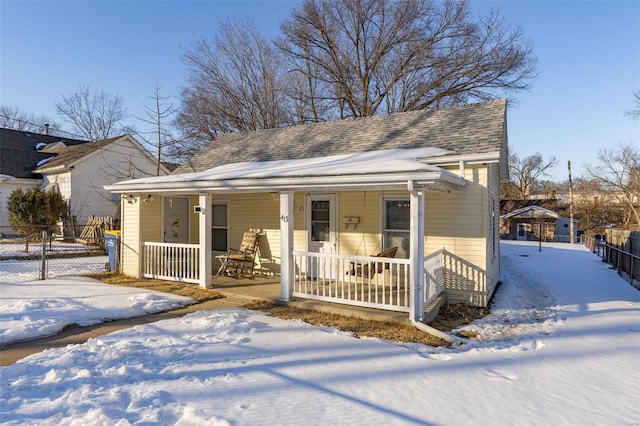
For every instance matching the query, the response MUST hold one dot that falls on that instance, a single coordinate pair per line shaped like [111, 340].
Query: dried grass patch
[181, 289]
[359, 327]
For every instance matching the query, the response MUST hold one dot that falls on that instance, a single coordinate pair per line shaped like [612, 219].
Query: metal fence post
[43, 263]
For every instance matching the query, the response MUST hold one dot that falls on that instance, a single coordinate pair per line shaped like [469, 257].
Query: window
[320, 220]
[220, 226]
[396, 224]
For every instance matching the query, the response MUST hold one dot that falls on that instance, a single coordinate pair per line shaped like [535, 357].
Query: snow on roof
[44, 160]
[532, 212]
[40, 145]
[361, 163]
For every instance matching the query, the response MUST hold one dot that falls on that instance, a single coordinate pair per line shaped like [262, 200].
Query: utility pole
[571, 225]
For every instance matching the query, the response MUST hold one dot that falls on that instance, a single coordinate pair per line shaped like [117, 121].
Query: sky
[560, 347]
[588, 61]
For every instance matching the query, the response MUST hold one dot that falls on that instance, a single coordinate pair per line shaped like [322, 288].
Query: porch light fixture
[130, 199]
[149, 199]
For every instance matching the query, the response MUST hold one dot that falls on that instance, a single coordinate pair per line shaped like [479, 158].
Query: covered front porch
[385, 285]
[316, 268]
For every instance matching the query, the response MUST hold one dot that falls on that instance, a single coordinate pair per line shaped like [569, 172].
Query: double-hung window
[396, 225]
[220, 226]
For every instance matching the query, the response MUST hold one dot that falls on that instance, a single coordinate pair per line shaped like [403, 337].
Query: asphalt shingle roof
[468, 129]
[18, 154]
[70, 154]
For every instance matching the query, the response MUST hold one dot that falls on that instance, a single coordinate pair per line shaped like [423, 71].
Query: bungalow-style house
[326, 199]
[77, 169]
[530, 222]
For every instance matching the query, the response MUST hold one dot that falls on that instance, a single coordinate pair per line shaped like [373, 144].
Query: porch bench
[370, 269]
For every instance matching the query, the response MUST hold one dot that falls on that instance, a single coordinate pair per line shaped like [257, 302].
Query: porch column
[416, 253]
[205, 222]
[286, 246]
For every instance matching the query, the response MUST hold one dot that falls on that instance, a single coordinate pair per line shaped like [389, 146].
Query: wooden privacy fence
[624, 258]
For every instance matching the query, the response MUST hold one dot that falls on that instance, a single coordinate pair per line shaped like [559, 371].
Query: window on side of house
[396, 225]
[220, 226]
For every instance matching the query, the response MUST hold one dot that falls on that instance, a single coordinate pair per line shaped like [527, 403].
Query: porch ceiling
[389, 169]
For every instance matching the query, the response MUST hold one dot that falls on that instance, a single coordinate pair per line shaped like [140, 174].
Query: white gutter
[440, 180]
[417, 280]
[437, 333]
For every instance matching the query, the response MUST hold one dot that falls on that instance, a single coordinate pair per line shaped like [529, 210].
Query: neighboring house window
[220, 227]
[396, 225]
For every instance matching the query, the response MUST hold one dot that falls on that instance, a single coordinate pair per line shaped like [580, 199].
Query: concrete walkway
[237, 292]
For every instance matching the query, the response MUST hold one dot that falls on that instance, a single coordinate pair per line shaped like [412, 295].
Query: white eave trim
[430, 181]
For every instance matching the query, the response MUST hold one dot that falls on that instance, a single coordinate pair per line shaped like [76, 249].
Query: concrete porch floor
[268, 288]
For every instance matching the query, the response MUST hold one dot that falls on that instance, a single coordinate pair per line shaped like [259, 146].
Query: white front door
[321, 234]
[176, 220]
[522, 232]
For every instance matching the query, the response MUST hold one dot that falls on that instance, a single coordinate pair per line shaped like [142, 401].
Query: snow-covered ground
[561, 347]
[29, 310]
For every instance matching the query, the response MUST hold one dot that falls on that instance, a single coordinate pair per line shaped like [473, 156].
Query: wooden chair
[368, 270]
[236, 261]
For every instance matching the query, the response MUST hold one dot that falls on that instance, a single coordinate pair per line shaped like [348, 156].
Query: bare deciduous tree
[525, 172]
[634, 112]
[381, 56]
[12, 118]
[159, 136]
[235, 84]
[93, 115]
[618, 172]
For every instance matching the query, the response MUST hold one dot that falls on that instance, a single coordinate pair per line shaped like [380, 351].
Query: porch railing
[171, 261]
[433, 275]
[385, 283]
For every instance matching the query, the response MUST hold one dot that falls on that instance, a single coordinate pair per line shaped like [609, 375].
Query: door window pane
[320, 221]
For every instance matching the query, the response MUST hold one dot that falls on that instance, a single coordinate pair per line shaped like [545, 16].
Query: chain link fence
[39, 255]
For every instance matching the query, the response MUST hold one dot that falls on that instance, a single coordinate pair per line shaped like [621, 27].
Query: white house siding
[366, 238]
[117, 161]
[457, 221]
[7, 186]
[131, 238]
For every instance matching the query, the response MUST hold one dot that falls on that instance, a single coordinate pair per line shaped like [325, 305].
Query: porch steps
[432, 309]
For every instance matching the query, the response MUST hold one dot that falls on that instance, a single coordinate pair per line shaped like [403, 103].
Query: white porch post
[286, 246]
[205, 221]
[416, 253]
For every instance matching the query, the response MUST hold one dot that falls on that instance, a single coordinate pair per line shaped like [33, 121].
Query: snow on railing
[171, 261]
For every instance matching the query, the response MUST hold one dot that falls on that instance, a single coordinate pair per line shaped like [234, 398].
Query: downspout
[417, 261]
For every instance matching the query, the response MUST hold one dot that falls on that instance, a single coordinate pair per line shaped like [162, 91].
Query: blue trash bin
[111, 244]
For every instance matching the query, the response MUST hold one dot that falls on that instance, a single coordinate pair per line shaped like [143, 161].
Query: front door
[321, 234]
[176, 220]
[522, 232]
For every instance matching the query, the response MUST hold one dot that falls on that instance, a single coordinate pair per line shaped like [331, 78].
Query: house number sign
[284, 218]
